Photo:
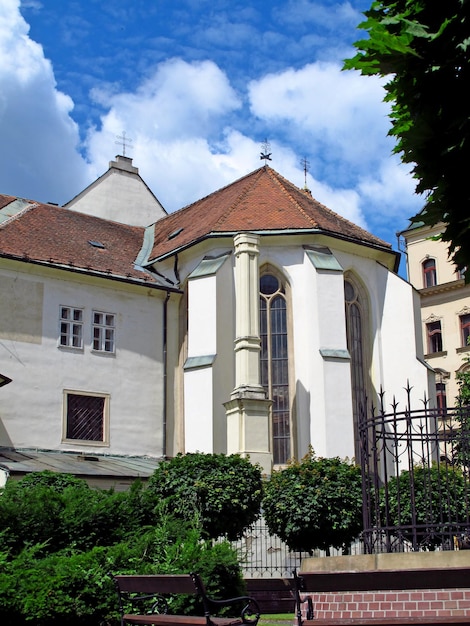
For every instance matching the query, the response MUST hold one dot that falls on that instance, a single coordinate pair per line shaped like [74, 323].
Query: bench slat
[156, 583]
[184, 620]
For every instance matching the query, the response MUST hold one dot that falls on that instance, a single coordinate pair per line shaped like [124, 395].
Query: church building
[253, 321]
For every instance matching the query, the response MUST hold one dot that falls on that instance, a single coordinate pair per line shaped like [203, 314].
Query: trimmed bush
[224, 491]
[315, 503]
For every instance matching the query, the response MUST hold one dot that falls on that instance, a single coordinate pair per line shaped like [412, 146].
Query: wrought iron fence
[416, 488]
[415, 470]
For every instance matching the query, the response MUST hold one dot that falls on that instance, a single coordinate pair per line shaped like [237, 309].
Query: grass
[275, 619]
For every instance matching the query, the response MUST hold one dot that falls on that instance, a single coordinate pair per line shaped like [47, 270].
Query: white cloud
[39, 138]
[342, 113]
[176, 121]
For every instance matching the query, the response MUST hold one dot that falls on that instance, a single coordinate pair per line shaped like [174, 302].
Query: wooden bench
[377, 580]
[149, 596]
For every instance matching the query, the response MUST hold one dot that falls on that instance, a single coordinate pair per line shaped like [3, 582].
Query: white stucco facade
[131, 378]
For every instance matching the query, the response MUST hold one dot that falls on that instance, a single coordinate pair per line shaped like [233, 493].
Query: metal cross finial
[265, 154]
[306, 165]
[124, 141]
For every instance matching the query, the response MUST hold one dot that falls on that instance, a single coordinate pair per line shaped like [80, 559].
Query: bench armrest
[250, 613]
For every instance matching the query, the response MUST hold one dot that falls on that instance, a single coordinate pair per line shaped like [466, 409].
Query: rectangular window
[434, 333]
[71, 327]
[465, 329]
[103, 331]
[441, 399]
[86, 417]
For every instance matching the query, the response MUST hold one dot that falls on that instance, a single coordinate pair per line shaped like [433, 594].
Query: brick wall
[386, 604]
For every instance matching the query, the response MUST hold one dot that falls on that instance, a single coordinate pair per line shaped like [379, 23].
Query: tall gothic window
[275, 363]
[355, 339]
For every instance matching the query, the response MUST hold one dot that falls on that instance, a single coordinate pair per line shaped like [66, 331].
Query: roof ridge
[278, 178]
[324, 208]
[255, 176]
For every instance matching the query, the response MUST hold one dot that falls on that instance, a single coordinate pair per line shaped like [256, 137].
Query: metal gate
[415, 473]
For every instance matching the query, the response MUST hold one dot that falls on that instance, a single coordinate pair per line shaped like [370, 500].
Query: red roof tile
[53, 235]
[260, 201]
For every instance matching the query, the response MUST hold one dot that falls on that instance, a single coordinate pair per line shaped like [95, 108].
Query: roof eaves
[152, 284]
[273, 232]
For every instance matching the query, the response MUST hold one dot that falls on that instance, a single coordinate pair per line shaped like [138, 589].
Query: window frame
[441, 399]
[358, 341]
[283, 292]
[429, 273]
[104, 330]
[71, 323]
[431, 334]
[464, 329]
[104, 441]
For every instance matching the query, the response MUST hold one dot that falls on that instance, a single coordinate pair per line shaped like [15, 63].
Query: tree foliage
[424, 47]
[315, 503]
[432, 499]
[462, 415]
[59, 540]
[225, 491]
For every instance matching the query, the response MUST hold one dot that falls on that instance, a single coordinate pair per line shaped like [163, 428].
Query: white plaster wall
[119, 196]
[202, 316]
[198, 418]
[224, 364]
[31, 407]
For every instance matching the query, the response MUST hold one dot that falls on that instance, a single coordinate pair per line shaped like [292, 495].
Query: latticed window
[429, 273]
[275, 363]
[434, 334]
[71, 327]
[85, 417]
[103, 331]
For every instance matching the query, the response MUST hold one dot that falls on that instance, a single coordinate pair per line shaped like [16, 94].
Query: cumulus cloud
[342, 112]
[39, 138]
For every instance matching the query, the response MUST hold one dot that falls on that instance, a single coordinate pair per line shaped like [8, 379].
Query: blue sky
[197, 85]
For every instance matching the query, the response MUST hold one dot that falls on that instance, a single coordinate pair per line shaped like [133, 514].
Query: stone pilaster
[248, 431]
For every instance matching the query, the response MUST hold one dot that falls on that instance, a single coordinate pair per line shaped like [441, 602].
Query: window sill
[433, 355]
[103, 353]
[463, 349]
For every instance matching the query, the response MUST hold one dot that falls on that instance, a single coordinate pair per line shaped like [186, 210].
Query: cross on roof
[124, 141]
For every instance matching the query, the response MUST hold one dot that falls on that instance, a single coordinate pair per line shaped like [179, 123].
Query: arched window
[275, 362]
[355, 314]
[429, 273]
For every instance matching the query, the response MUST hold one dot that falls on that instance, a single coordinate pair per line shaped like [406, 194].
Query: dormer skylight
[96, 244]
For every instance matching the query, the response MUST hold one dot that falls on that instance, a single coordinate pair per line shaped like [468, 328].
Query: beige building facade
[445, 307]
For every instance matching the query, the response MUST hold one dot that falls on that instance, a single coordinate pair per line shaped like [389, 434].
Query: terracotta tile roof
[260, 201]
[52, 235]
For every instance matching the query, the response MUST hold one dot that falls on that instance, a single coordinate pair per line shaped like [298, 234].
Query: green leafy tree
[424, 47]
[225, 491]
[315, 503]
[432, 499]
[462, 415]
